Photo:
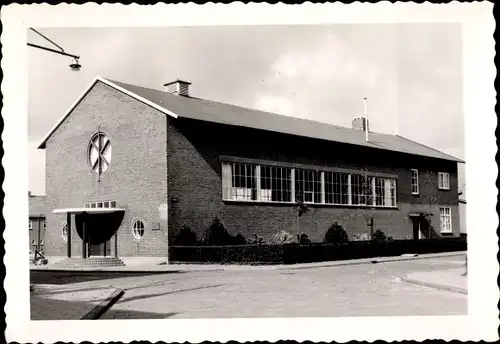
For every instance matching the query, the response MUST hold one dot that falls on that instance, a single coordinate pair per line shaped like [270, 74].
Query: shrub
[304, 239]
[379, 236]
[239, 239]
[185, 237]
[256, 240]
[361, 237]
[281, 237]
[217, 234]
[336, 235]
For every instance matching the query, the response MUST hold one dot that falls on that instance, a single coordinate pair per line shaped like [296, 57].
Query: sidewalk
[53, 302]
[176, 268]
[449, 280]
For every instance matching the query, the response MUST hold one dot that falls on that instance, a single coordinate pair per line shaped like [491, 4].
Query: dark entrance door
[99, 232]
[417, 227]
[102, 249]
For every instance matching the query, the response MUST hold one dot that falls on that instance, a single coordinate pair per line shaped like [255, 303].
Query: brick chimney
[360, 123]
[178, 87]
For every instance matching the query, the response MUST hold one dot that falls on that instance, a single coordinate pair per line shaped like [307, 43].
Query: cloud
[36, 173]
[325, 79]
[279, 105]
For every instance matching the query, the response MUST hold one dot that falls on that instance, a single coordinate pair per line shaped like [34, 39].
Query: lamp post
[75, 66]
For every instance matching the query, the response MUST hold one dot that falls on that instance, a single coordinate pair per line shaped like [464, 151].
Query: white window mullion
[374, 192]
[323, 196]
[257, 175]
[349, 189]
[293, 185]
[395, 193]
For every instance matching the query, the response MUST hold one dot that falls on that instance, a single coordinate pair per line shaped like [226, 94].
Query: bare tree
[300, 208]
[369, 197]
[431, 197]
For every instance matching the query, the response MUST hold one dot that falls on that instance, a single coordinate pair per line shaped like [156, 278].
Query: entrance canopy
[419, 214]
[87, 210]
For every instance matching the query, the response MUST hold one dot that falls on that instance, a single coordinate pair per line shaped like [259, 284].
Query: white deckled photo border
[478, 24]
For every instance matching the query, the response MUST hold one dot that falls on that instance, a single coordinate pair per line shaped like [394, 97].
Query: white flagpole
[366, 120]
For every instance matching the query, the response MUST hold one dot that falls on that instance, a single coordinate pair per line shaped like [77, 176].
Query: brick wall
[136, 178]
[195, 182]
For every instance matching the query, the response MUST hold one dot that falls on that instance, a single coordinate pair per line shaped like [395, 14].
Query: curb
[434, 285]
[237, 267]
[103, 306]
[374, 260]
[91, 270]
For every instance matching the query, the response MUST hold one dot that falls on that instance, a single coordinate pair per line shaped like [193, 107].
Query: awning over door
[87, 210]
[419, 214]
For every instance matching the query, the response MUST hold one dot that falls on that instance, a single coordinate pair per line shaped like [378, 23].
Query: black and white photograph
[304, 174]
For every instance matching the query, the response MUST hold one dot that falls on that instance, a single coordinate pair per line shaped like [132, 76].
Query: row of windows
[100, 204]
[443, 181]
[137, 230]
[248, 182]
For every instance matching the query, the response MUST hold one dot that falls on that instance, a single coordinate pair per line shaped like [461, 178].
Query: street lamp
[75, 66]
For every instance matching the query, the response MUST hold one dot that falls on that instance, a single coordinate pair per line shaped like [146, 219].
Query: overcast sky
[411, 74]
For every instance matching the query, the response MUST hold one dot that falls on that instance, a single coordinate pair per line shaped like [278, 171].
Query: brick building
[128, 166]
[37, 224]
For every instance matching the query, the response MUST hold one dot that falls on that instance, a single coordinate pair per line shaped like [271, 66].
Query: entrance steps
[92, 262]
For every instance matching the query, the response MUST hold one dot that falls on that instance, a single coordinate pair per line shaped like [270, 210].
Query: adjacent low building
[37, 225]
[462, 204]
[127, 167]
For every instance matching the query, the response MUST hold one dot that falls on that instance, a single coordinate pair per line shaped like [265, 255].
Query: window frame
[64, 237]
[442, 214]
[230, 192]
[30, 225]
[309, 186]
[334, 181]
[108, 147]
[417, 182]
[268, 176]
[444, 186]
[134, 222]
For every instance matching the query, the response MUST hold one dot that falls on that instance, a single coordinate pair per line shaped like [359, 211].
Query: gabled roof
[87, 90]
[213, 111]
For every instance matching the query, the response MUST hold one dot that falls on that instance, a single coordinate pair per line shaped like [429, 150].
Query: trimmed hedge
[315, 252]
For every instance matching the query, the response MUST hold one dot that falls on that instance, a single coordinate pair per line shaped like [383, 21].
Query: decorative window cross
[100, 153]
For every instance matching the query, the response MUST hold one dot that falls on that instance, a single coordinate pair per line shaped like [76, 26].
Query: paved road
[356, 290]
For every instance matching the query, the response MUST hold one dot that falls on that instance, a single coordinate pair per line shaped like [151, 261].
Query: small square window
[113, 204]
[99, 204]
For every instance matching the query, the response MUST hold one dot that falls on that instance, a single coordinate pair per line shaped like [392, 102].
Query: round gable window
[99, 153]
[138, 229]
[64, 232]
